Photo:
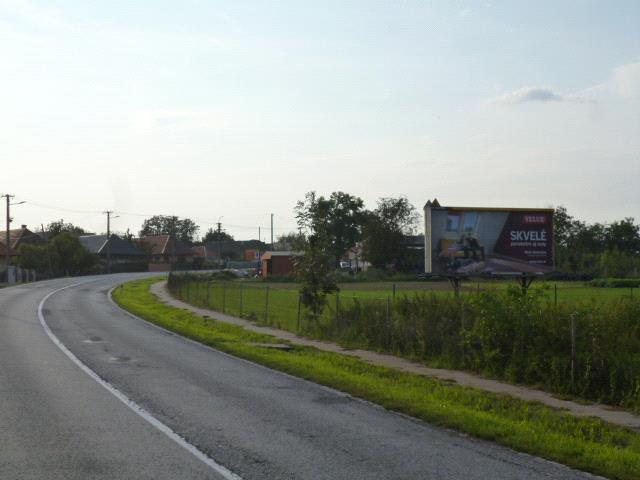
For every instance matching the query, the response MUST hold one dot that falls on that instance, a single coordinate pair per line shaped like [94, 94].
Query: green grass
[583, 443]
[281, 309]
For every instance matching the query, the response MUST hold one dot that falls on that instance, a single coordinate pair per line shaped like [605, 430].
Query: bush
[615, 283]
[500, 333]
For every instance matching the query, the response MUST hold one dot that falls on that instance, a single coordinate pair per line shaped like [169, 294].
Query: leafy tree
[335, 221]
[63, 255]
[185, 229]
[384, 230]
[57, 227]
[214, 236]
[314, 270]
[71, 257]
[623, 235]
[36, 257]
[596, 249]
[290, 241]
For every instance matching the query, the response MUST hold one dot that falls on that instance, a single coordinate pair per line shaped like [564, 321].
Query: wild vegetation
[587, 348]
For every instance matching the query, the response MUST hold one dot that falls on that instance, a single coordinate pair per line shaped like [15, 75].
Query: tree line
[590, 250]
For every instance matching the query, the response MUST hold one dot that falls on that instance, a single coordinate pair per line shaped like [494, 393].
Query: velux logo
[535, 219]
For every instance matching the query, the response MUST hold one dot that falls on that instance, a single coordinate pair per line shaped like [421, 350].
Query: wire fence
[584, 347]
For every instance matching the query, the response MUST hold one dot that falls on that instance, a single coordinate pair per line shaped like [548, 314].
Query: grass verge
[583, 443]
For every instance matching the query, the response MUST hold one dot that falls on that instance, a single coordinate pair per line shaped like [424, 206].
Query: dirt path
[609, 414]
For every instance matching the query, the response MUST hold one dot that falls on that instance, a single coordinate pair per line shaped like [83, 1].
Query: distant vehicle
[345, 265]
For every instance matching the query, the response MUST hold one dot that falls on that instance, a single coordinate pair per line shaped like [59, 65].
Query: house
[20, 236]
[124, 255]
[166, 252]
[236, 249]
[204, 256]
[17, 237]
[277, 263]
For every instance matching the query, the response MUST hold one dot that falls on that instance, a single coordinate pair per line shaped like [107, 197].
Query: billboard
[469, 240]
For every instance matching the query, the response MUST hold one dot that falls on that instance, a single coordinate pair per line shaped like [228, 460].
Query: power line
[198, 220]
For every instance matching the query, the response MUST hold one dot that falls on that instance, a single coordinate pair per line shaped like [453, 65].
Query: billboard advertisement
[468, 240]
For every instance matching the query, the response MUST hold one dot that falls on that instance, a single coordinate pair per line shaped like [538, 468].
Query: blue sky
[236, 109]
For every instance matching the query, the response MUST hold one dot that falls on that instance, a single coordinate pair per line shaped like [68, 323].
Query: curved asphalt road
[57, 422]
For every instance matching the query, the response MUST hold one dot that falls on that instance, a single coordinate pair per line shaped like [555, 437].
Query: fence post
[299, 302]
[555, 293]
[188, 291]
[388, 322]
[240, 300]
[266, 305]
[572, 316]
[208, 293]
[394, 291]
[478, 288]
[224, 297]
[338, 311]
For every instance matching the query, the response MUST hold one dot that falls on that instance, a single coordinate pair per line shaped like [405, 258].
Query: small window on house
[453, 223]
[470, 220]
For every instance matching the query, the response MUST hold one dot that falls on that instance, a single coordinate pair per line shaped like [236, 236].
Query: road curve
[57, 422]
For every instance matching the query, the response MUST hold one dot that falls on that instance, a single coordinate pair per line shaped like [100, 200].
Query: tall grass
[589, 349]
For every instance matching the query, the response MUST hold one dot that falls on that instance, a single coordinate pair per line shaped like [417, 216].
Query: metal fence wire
[555, 335]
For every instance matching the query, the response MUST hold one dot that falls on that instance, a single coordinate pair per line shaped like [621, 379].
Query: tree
[314, 271]
[596, 249]
[327, 228]
[62, 255]
[623, 235]
[185, 229]
[335, 222]
[57, 227]
[384, 230]
[36, 257]
[215, 236]
[71, 257]
[290, 241]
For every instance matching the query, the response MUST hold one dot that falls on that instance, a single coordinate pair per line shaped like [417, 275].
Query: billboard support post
[455, 281]
[525, 282]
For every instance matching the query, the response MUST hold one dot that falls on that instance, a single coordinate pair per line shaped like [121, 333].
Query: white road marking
[220, 469]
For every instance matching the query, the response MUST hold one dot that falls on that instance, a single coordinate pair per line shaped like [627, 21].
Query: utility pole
[272, 231]
[108, 213]
[7, 259]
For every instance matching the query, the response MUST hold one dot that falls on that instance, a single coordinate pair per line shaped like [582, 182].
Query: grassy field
[277, 303]
[502, 335]
[586, 444]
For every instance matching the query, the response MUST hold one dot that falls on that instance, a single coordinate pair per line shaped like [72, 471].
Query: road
[193, 412]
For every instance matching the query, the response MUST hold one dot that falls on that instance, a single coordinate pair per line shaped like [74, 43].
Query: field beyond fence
[583, 345]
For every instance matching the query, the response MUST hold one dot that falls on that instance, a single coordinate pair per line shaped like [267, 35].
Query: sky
[232, 110]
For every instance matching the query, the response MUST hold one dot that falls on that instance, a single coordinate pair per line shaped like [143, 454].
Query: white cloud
[528, 94]
[537, 94]
[626, 80]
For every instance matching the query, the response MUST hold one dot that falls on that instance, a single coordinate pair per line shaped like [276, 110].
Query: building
[124, 255]
[236, 249]
[277, 263]
[204, 256]
[166, 252]
[20, 236]
[17, 237]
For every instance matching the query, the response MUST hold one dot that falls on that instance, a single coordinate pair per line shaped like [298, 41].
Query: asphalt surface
[57, 422]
